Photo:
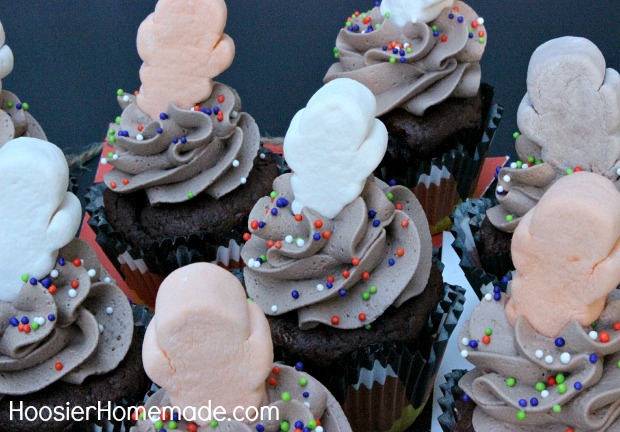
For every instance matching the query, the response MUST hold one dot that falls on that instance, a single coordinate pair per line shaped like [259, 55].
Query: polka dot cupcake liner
[441, 182]
[468, 218]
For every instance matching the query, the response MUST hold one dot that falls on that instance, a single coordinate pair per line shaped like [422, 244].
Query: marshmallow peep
[6, 57]
[38, 216]
[212, 347]
[338, 121]
[183, 46]
[567, 254]
[404, 11]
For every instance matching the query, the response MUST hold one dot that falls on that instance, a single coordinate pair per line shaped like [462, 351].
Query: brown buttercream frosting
[208, 149]
[67, 327]
[15, 121]
[343, 272]
[441, 58]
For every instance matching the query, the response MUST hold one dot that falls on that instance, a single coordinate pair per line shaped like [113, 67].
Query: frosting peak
[6, 57]
[404, 11]
[348, 132]
[34, 193]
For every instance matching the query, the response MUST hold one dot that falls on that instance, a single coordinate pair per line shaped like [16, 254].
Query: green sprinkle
[286, 397]
[435, 28]
[335, 49]
[9, 104]
[25, 277]
[521, 415]
[213, 423]
[303, 382]
[25, 106]
[390, 196]
[559, 378]
[618, 364]
[336, 56]
[119, 92]
[509, 218]
[373, 289]
[190, 195]
[34, 326]
[158, 425]
[312, 424]
[510, 382]
[392, 60]
[569, 171]
[250, 299]
[531, 160]
[557, 409]
[519, 164]
[594, 324]
[273, 194]
[488, 331]
[368, 327]
[539, 161]
[540, 386]
[117, 120]
[111, 132]
[481, 40]
[264, 258]
[516, 135]
[112, 139]
[142, 415]
[365, 296]
[409, 50]
[561, 388]
[110, 155]
[388, 15]
[172, 424]
[284, 426]
[348, 23]
[377, 26]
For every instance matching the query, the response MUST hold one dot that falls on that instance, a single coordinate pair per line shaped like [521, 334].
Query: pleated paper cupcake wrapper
[468, 219]
[441, 182]
[448, 402]
[384, 387]
[144, 269]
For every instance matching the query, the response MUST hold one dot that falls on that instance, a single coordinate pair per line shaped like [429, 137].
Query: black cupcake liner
[145, 268]
[497, 269]
[451, 394]
[463, 162]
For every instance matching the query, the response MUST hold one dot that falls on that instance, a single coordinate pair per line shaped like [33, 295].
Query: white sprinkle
[525, 166]
[548, 359]
[307, 404]
[288, 239]
[243, 180]
[539, 354]
[92, 273]
[300, 242]
[274, 308]
[107, 280]
[513, 165]
[109, 310]
[320, 288]
[101, 328]
[406, 44]
[39, 320]
[257, 264]
[251, 262]
[618, 171]
[234, 115]
[565, 358]
[464, 353]
[72, 293]
[488, 297]
[104, 161]
[500, 189]
[480, 20]
[115, 156]
[465, 341]
[593, 335]
[192, 109]
[235, 163]
[139, 137]
[318, 429]
[126, 98]
[262, 156]
[506, 178]
[544, 393]
[54, 273]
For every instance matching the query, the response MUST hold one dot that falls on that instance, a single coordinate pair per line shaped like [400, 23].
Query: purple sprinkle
[473, 344]
[33, 281]
[534, 402]
[163, 116]
[274, 211]
[14, 321]
[51, 317]
[299, 366]
[593, 358]
[25, 320]
[342, 292]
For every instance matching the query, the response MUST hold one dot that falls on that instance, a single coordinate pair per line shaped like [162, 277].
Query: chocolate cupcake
[68, 332]
[342, 265]
[546, 354]
[422, 64]
[187, 161]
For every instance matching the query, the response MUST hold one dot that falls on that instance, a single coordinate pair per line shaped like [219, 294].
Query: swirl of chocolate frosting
[309, 402]
[585, 396]
[343, 272]
[15, 121]
[68, 326]
[428, 67]
[208, 149]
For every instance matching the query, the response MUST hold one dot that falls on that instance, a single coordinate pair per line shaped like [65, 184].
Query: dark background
[72, 55]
